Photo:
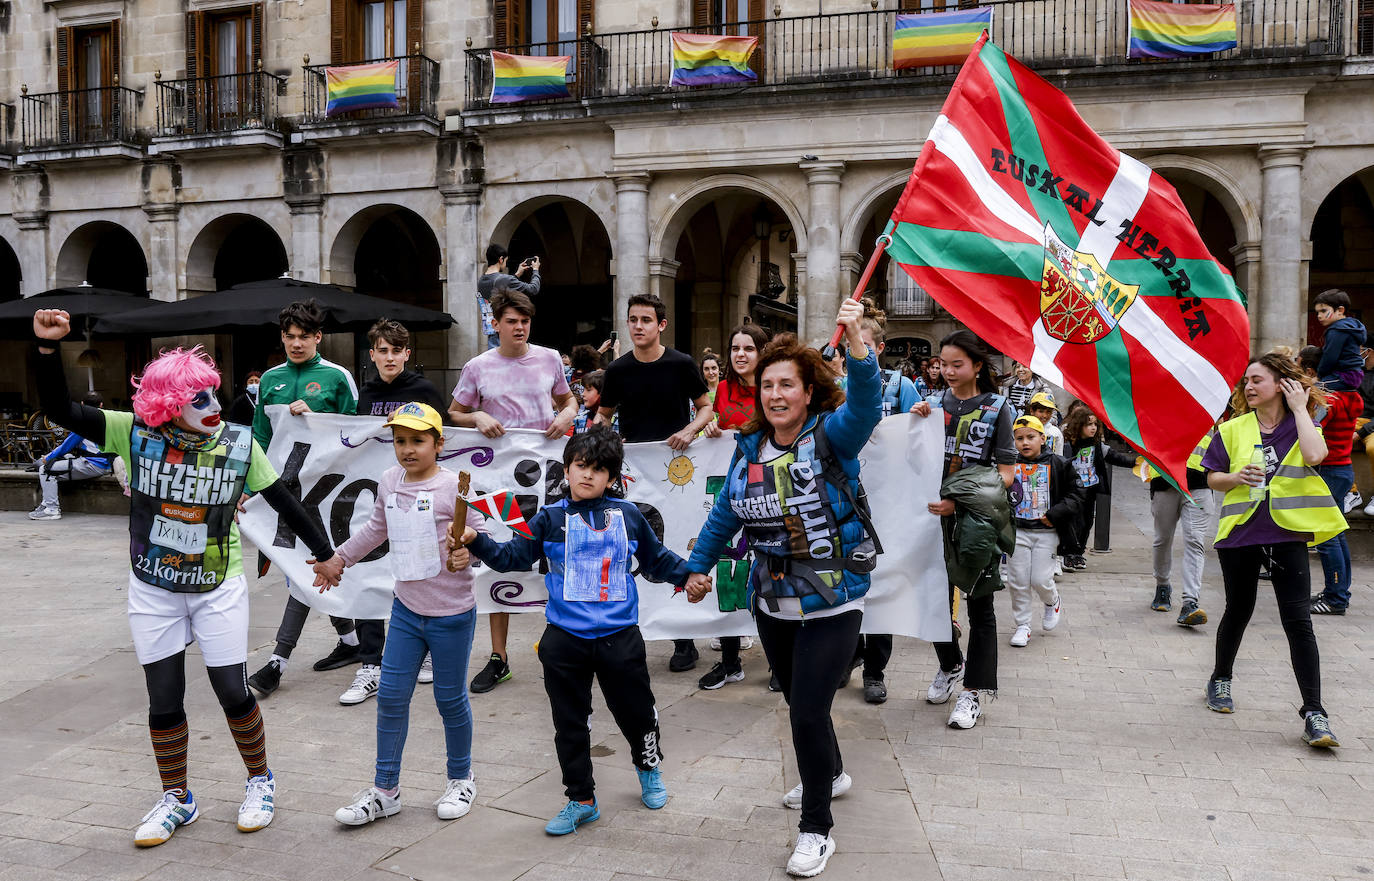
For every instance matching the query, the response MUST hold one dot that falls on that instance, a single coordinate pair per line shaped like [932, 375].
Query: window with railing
[224, 89]
[905, 298]
[416, 91]
[89, 105]
[1364, 27]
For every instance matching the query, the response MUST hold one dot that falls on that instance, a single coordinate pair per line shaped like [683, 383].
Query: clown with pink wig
[187, 470]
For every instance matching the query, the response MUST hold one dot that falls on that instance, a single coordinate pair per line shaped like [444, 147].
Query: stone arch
[343, 252]
[663, 237]
[851, 232]
[576, 296]
[11, 274]
[1342, 237]
[234, 248]
[105, 254]
[1243, 211]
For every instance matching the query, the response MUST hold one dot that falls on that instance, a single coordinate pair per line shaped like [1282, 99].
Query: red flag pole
[878, 248]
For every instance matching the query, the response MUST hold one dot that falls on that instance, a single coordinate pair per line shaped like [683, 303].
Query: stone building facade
[181, 146]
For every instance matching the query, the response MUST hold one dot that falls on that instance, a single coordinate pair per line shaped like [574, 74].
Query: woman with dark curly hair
[793, 487]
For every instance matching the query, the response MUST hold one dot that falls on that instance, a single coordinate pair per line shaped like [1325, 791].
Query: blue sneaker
[574, 814]
[651, 789]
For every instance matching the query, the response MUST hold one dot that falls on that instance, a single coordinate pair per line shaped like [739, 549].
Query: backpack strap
[834, 474]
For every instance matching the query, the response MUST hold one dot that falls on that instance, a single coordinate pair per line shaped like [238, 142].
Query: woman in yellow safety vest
[1270, 514]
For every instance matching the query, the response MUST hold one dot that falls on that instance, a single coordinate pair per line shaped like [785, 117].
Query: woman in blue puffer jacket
[812, 553]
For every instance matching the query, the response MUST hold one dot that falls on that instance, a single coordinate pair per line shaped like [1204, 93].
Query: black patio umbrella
[86, 304]
[257, 303]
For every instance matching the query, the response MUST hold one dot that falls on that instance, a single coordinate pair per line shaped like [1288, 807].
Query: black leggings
[980, 671]
[167, 689]
[1292, 588]
[811, 655]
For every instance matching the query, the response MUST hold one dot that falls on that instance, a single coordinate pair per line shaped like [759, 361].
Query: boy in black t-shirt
[651, 388]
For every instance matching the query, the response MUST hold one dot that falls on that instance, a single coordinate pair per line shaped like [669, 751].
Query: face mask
[252, 389]
[202, 413]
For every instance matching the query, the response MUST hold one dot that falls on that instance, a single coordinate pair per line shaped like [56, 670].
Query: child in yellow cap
[434, 611]
[1047, 497]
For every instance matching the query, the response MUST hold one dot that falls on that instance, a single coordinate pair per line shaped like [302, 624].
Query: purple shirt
[517, 392]
[1260, 529]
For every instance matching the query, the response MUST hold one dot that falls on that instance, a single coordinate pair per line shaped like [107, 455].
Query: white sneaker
[364, 685]
[942, 686]
[1051, 619]
[1353, 500]
[457, 799]
[259, 803]
[367, 806]
[46, 512]
[838, 787]
[158, 824]
[746, 643]
[1369, 508]
[812, 853]
[1021, 636]
[967, 709]
[426, 671]
[715, 643]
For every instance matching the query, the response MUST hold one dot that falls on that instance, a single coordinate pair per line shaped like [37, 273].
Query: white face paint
[202, 413]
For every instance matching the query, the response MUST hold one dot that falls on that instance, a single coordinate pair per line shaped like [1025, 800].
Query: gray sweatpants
[1168, 507]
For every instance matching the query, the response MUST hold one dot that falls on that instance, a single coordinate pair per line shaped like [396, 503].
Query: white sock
[281, 662]
[390, 793]
[349, 638]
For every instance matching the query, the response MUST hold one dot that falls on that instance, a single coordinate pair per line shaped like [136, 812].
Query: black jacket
[1067, 496]
[378, 398]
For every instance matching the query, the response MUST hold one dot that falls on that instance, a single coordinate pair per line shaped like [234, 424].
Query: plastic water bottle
[1257, 459]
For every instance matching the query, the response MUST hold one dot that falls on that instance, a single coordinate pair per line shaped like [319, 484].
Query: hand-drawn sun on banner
[680, 471]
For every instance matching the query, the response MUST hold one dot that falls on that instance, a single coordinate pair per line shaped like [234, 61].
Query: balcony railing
[417, 87]
[80, 117]
[857, 46]
[218, 104]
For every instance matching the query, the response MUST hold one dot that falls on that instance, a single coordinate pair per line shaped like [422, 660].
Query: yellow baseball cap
[1042, 399]
[1028, 422]
[421, 417]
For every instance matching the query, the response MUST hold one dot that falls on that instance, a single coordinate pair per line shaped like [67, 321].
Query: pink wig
[169, 383]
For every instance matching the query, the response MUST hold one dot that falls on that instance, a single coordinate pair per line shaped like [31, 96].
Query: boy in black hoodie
[1341, 367]
[394, 385]
[1048, 497]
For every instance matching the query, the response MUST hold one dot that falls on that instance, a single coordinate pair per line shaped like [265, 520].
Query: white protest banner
[333, 464]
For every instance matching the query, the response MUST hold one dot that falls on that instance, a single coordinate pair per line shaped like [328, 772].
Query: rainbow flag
[931, 39]
[710, 60]
[361, 87]
[1170, 30]
[516, 78]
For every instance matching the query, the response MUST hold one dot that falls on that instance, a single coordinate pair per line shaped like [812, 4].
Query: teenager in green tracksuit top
[308, 384]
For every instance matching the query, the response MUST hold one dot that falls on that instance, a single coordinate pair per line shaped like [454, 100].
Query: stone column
[821, 295]
[164, 273]
[29, 198]
[307, 237]
[663, 273]
[1247, 257]
[462, 256]
[631, 241]
[1280, 309]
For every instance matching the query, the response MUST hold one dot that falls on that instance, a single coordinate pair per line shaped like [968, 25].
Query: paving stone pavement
[1098, 760]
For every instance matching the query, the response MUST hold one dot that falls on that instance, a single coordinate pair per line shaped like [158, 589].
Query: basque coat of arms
[1079, 302]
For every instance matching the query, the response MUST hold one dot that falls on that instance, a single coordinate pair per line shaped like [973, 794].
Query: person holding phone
[496, 277]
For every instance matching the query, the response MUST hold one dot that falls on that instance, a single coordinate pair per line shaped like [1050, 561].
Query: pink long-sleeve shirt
[448, 593]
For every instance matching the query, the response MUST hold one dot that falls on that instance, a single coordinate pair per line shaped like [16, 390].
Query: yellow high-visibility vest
[1299, 499]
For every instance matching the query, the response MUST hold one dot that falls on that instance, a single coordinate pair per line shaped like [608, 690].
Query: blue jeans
[1335, 552]
[449, 642]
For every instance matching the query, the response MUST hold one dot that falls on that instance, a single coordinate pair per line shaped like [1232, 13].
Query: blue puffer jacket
[788, 511]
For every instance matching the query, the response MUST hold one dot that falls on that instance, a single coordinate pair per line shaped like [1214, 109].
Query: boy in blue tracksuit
[591, 543]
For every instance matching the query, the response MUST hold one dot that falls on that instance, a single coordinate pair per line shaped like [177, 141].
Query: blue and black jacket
[790, 515]
[617, 606]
